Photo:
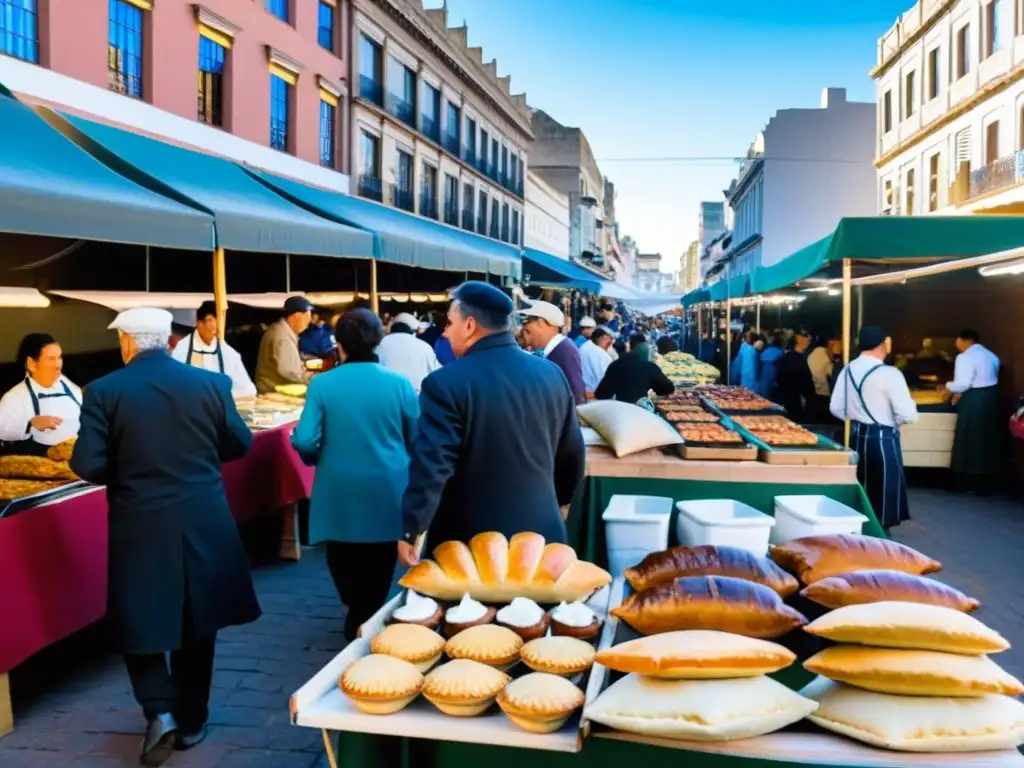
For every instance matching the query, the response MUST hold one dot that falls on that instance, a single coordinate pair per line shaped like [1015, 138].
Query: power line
[723, 159]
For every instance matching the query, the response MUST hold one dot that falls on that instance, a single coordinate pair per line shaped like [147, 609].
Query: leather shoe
[161, 734]
[186, 741]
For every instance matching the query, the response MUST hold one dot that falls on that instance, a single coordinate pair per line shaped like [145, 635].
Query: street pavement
[86, 717]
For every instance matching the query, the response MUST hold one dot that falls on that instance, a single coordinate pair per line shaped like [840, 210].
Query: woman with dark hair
[44, 409]
[356, 429]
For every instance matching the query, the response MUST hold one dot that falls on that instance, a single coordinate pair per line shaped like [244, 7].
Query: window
[993, 28]
[886, 116]
[992, 142]
[503, 170]
[211, 81]
[467, 207]
[431, 112]
[910, 192]
[933, 182]
[513, 176]
[451, 200]
[279, 8]
[371, 73]
[909, 89]
[402, 196]
[428, 191]
[887, 195]
[401, 92]
[280, 95]
[369, 166]
[963, 51]
[470, 155]
[515, 227]
[494, 157]
[481, 217]
[19, 29]
[495, 221]
[504, 223]
[124, 48]
[933, 73]
[328, 120]
[482, 159]
[451, 128]
[325, 26]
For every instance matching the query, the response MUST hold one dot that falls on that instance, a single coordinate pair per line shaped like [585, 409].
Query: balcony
[431, 129]
[451, 213]
[402, 109]
[469, 156]
[451, 143]
[467, 220]
[369, 186]
[371, 90]
[428, 203]
[1005, 173]
[402, 198]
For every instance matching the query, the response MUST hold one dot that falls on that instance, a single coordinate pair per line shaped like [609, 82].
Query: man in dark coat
[499, 446]
[155, 433]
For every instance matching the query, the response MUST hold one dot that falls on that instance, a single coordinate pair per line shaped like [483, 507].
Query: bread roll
[707, 560]
[814, 558]
[881, 586]
[494, 569]
[710, 602]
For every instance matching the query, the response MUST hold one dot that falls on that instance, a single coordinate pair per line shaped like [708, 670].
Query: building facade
[435, 130]
[950, 109]
[265, 83]
[547, 218]
[648, 277]
[806, 170]
[689, 268]
[710, 222]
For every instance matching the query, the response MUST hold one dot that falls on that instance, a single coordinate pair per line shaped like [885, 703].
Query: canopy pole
[860, 308]
[847, 274]
[758, 321]
[220, 291]
[728, 341]
[287, 273]
[147, 269]
[374, 298]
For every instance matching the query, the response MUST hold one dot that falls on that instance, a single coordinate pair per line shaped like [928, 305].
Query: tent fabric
[731, 288]
[49, 187]
[249, 217]
[696, 296]
[549, 271]
[400, 237]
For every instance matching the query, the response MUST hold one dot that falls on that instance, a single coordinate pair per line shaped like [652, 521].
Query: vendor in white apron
[44, 409]
[876, 399]
[203, 349]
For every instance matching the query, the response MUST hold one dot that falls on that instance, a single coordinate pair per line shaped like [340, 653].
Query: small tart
[418, 609]
[566, 656]
[583, 633]
[583, 629]
[451, 629]
[488, 644]
[540, 703]
[414, 643]
[431, 622]
[463, 688]
[381, 685]
[528, 633]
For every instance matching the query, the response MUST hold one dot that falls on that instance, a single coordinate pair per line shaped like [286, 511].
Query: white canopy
[22, 298]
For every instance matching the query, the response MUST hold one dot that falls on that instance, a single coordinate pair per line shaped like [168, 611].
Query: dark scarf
[370, 358]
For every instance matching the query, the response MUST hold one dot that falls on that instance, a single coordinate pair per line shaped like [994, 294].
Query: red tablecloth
[53, 574]
[269, 478]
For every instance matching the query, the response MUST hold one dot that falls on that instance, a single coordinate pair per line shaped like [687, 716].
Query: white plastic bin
[635, 526]
[799, 516]
[724, 523]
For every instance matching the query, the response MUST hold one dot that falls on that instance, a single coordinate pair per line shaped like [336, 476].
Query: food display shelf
[825, 453]
[11, 507]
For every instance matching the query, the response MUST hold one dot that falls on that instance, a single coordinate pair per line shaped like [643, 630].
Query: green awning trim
[52, 188]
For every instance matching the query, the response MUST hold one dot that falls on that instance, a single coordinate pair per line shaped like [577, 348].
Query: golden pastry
[488, 644]
[540, 703]
[696, 654]
[525, 618]
[463, 688]
[381, 685]
[709, 560]
[564, 656]
[881, 586]
[418, 645]
[814, 558]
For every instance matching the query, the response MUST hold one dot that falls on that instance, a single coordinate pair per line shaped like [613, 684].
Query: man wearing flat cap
[498, 444]
[876, 399]
[542, 330]
[155, 434]
[279, 361]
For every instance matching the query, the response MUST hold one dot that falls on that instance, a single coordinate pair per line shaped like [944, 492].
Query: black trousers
[362, 575]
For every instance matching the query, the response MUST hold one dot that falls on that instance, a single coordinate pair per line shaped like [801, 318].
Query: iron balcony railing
[402, 109]
[451, 143]
[369, 186]
[428, 204]
[481, 224]
[402, 198]
[469, 156]
[371, 90]
[1005, 172]
[451, 213]
[467, 220]
[432, 129]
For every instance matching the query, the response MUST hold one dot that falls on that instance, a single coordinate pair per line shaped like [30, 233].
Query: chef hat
[139, 320]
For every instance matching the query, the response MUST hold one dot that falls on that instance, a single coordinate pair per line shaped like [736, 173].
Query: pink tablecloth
[53, 574]
[269, 478]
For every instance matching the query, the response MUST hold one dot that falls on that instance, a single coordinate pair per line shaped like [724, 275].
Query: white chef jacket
[595, 362]
[205, 356]
[885, 394]
[975, 368]
[17, 410]
[405, 354]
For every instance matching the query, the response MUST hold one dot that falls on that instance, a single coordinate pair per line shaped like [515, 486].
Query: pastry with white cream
[575, 620]
[525, 618]
[468, 613]
[418, 610]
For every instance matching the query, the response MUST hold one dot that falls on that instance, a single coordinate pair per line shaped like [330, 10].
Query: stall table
[271, 477]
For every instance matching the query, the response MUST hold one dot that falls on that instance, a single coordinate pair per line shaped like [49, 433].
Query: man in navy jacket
[542, 330]
[498, 445]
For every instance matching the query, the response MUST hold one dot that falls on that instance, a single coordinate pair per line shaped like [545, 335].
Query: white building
[950, 124]
[547, 218]
[806, 170]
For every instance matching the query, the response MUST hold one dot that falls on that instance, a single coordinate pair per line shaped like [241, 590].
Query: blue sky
[670, 78]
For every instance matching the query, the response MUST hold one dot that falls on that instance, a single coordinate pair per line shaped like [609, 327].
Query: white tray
[321, 704]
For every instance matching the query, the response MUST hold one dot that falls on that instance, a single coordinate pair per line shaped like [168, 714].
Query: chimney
[831, 97]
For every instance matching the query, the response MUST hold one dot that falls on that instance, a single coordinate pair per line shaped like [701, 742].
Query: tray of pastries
[738, 400]
[691, 417]
[708, 435]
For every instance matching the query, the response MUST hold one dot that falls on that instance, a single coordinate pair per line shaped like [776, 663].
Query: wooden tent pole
[374, 297]
[847, 311]
[220, 291]
[728, 341]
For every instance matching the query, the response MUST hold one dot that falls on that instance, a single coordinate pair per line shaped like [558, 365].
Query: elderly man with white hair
[155, 434]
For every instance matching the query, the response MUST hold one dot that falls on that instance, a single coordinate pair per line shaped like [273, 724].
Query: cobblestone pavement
[87, 718]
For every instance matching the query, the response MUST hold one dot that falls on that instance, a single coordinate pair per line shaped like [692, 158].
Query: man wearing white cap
[587, 326]
[155, 433]
[542, 330]
[402, 351]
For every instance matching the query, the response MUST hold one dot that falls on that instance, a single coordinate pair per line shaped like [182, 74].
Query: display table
[271, 477]
[653, 473]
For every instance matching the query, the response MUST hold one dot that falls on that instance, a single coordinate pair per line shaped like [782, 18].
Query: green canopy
[732, 288]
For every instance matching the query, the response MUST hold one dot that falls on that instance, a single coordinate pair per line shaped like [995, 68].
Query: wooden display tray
[801, 743]
[742, 452]
[805, 457]
[321, 704]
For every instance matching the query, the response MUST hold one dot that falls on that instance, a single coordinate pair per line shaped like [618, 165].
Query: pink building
[258, 81]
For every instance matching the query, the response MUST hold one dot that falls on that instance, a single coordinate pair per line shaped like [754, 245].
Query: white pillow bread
[628, 428]
[699, 710]
[919, 626]
[917, 723]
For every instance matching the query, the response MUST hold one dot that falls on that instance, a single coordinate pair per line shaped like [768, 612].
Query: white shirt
[595, 362]
[205, 356]
[976, 367]
[405, 354]
[555, 341]
[16, 412]
[885, 393]
[820, 363]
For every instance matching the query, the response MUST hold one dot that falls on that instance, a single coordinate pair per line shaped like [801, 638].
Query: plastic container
[724, 523]
[799, 516]
[635, 526]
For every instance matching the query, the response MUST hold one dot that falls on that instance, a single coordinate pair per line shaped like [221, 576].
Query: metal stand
[847, 275]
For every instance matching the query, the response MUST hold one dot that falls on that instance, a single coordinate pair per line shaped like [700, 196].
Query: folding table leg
[332, 758]
[6, 711]
[290, 546]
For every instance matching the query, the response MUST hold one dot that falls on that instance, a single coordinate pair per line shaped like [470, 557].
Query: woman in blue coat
[356, 430]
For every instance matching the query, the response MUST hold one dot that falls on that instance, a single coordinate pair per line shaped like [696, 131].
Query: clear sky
[671, 78]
